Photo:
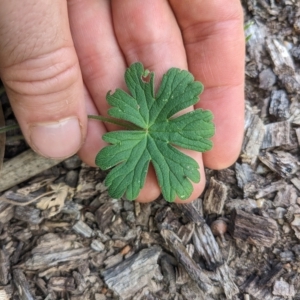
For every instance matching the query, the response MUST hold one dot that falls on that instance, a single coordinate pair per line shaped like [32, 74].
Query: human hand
[49, 48]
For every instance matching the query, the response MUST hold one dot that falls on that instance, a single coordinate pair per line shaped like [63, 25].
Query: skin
[59, 58]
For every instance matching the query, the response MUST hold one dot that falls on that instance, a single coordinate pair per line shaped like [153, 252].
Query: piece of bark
[192, 291]
[97, 245]
[207, 247]
[276, 134]
[61, 284]
[296, 182]
[293, 217]
[7, 212]
[22, 285]
[226, 279]
[35, 185]
[227, 176]
[18, 198]
[281, 57]
[191, 212]
[279, 105]
[291, 82]
[16, 256]
[143, 217]
[52, 250]
[150, 238]
[169, 274]
[42, 286]
[113, 260]
[118, 227]
[182, 277]
[185, 232]
[244, 174]
[298, 134]
[256, 43]
[256, 230]
[105, 214]
[281, 162]
[44, 260]
[4, 295]
[260, 288]
[88, 179]
[254, 135]
[80, 283]
[83, 229]
[286, 196]
[215, 197]
[271, 188]
[168, 218]
[28, 214]
[183, 257]
[282, 288]
[247, 205]
[23, 167]
[132, 274]
[4, 267]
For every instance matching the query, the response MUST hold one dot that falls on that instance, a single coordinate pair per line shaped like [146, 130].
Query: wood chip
[286, 196]
[180, 252]
[215, 197]
[273, 187]
[256, 230]
[22, 285]
[281, 57]
[132, 274]
[260, 288]
[83, 229]
[296, 182]
[279, 105]
[4, 267]
[282, 288]
[281, 162]
[276, 134]
[254, 135]
[23, 167]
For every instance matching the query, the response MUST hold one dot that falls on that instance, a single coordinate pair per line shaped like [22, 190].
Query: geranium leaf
[158, 134]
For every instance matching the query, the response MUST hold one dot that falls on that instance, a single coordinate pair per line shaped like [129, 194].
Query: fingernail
[59, 139]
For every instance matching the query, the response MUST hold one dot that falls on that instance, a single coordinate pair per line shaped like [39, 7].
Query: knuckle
[46, 74]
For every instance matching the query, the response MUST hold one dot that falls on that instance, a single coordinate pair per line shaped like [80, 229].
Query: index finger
[215, 45]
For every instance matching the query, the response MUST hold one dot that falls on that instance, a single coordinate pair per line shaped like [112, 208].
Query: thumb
[41, 74]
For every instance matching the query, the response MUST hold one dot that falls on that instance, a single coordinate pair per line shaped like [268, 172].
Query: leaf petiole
[100, 118]
[115, 121]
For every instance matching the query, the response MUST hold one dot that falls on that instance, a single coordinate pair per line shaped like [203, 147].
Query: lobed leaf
[157, 134]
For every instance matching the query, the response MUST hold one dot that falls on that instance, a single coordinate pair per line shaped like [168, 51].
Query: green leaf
[157, 136]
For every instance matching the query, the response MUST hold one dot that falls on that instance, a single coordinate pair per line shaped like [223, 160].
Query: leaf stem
[100, 118]
[114, 121]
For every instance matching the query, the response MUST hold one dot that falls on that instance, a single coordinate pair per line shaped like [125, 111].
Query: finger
[101, 62]
[95, 129]
[214, 41]
[148, 32]
[41, 74]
